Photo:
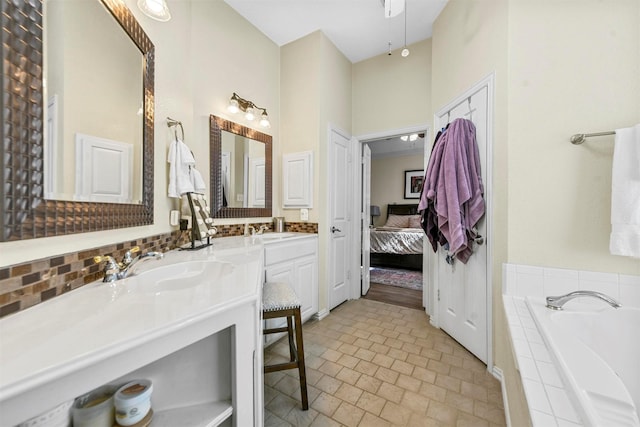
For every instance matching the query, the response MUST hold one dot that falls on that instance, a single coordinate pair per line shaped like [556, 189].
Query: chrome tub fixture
[556, 303]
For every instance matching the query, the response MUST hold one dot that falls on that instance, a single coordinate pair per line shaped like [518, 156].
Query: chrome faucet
[556, 303]
[114, 270]
[262, 229]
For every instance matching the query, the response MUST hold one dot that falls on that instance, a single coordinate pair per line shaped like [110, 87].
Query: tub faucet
[120, 270]
[556, 303]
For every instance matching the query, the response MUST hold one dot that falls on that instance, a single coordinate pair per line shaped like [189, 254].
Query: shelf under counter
[210, 414]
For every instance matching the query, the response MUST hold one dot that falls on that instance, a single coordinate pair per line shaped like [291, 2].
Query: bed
[397, 244]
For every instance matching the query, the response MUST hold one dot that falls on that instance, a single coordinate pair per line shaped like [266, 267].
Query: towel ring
[174, 123]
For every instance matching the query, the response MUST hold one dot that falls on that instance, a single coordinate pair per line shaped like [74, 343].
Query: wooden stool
[279, 300]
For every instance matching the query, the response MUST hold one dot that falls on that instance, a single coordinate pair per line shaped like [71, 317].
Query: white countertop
[92, 324]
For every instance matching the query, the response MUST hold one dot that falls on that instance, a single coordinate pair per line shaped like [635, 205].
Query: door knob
[333, 230]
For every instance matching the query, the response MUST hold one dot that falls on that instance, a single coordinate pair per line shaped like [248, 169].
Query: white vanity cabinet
[294, 261]
[190, 323]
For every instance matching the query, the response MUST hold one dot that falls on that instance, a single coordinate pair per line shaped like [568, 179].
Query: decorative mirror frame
[25, 214]
[216, 126]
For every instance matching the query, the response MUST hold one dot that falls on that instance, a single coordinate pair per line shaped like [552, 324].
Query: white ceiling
[358, 28]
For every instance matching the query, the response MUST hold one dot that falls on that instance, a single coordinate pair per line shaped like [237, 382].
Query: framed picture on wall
[413, 181]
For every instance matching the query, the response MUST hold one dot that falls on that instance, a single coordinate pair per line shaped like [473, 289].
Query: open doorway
[393, 240]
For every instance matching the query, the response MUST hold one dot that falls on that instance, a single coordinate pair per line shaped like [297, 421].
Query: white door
[462, 288]
[366, 217]
[339, 255]
[256, 183]
[103, 170]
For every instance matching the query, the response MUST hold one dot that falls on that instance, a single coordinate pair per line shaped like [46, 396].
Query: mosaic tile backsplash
[30, 283]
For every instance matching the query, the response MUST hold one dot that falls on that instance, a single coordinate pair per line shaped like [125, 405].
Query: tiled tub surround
[551, 402]
[30, 283]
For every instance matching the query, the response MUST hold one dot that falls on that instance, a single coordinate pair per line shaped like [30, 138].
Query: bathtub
[596, 349]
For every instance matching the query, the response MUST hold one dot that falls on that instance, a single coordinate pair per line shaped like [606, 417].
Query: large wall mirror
[77, 136]
[241, 166]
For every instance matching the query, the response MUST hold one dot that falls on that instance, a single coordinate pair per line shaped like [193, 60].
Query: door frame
[357, 197]
[489, 83]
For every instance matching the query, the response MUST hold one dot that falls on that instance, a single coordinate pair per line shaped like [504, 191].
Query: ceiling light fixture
[412, 137]
[393, 8]
[250, 110]
[155, 9]
[405, 51]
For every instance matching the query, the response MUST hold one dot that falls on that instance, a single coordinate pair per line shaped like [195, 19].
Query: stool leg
[292, 354]
[301, 366]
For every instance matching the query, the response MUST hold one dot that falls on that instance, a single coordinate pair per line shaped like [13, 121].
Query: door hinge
[438, 294]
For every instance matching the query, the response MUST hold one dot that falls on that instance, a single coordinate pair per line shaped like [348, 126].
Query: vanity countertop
[155, 310]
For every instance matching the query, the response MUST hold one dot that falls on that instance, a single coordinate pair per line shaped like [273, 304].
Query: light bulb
[413, 137]
[233, 106]
[405, 52]
[264, 121]
[405, 138]
[249, 114]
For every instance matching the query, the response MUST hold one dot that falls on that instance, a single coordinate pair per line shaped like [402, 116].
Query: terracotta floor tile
[371, 403]
[370, 420]
[372, 364]
[348, 376]
[395, 414]
[348, 415]
[348, 393]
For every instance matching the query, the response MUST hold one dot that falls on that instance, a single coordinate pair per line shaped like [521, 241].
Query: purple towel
[453, 196]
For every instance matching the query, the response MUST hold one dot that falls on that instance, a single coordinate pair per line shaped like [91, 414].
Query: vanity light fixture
[250, 110]
[155, 9]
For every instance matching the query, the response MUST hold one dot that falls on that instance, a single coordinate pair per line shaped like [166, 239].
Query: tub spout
[556, 303]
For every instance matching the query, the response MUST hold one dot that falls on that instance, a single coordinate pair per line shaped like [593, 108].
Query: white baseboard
[321, 314]
[497, 373]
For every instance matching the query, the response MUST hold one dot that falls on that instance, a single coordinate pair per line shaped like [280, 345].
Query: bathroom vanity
[292, 258]
[190, 323]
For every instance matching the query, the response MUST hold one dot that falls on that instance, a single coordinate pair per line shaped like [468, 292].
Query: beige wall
[581, 74]
[387, 182]
[316, 92]
[392, 92]
[203, 54]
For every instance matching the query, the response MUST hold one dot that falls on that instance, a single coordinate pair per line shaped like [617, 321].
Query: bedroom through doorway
[396, 240]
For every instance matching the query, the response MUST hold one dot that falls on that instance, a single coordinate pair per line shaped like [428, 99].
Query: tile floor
[374, 364]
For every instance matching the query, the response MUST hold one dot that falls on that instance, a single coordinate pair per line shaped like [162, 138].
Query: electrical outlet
[304, 214]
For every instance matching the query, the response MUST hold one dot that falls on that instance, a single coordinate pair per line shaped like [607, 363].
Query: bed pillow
[414, 221]
[397, 221]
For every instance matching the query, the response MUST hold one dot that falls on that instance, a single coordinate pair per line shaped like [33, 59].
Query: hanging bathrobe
[453, 195]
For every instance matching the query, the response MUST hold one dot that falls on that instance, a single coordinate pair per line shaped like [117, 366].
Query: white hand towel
[625, 193]
[180, 161]
[196, 180]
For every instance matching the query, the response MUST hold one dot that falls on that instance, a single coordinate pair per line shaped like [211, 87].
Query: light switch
[174, 218]
[304, 214]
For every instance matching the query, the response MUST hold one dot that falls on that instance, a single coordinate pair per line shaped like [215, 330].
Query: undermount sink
[175, 277]
[276, 236]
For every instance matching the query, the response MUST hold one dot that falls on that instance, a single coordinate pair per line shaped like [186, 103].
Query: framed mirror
[241, 170]
[26, 212]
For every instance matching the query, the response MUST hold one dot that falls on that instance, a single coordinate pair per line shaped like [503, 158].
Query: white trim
[51, 149]
[321, 314]
[357, 192]
[489, 83]
[498, 374]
